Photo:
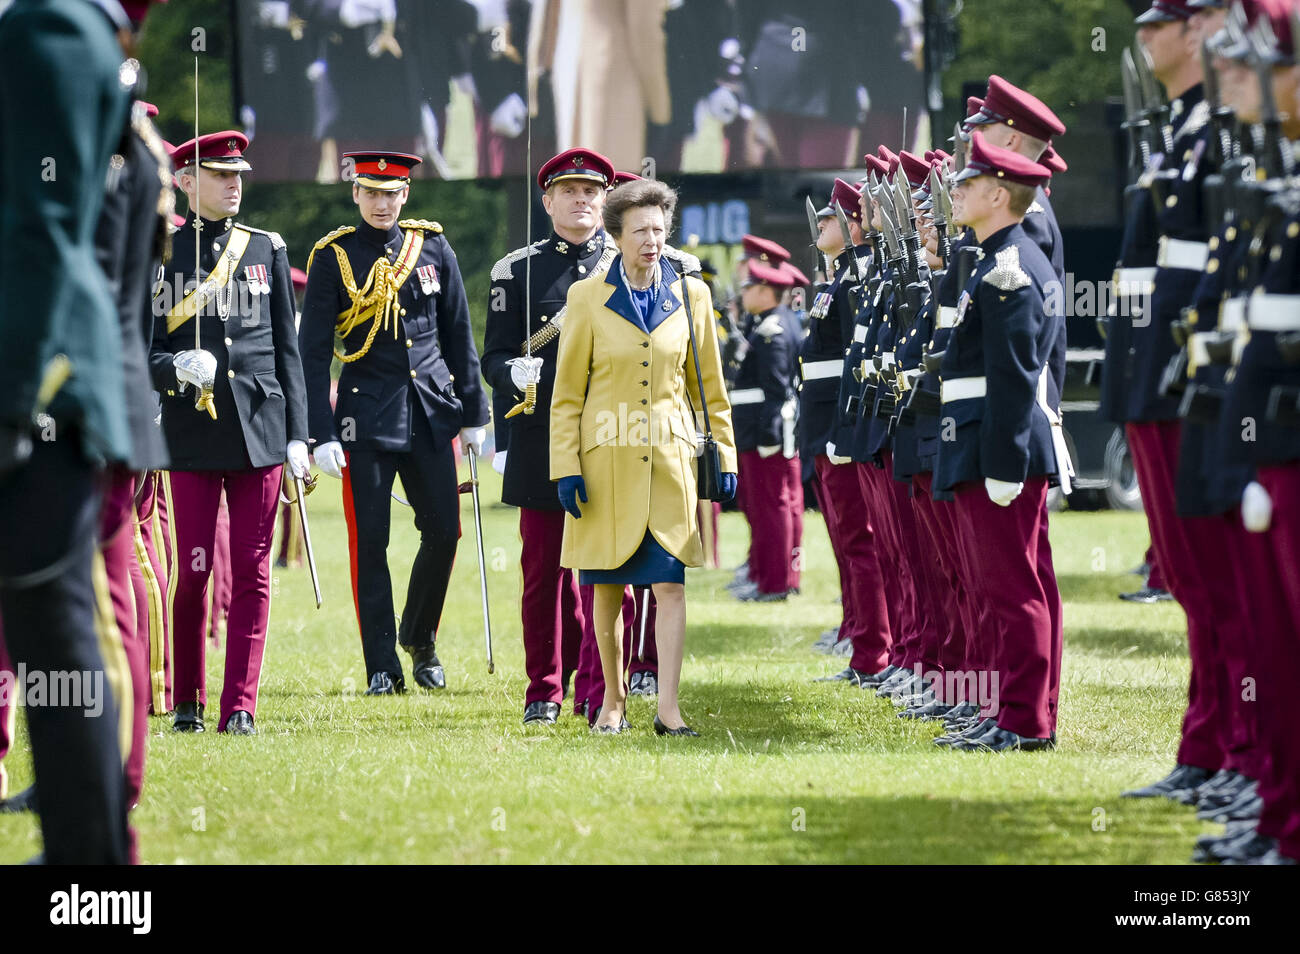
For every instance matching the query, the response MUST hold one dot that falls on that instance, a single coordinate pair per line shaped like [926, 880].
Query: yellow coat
[620, 417]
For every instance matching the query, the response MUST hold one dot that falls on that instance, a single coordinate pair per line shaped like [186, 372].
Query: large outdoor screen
[660, 86]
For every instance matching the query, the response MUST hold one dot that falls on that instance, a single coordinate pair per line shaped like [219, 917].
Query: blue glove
[571, 490]
[729, 486]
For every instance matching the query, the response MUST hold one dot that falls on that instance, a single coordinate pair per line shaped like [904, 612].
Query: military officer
[1000, 448]
[865, 622]
[225, 359]
[761, 390]
[526, 301]
[392, 290]
[1134, 374]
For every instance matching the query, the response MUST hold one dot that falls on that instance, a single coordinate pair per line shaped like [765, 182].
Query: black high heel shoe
[599, 729]
[661, 729]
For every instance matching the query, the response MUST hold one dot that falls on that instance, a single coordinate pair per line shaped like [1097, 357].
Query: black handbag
[709, 468]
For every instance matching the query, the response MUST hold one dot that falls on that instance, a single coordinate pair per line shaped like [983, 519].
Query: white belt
[1134, 281]
[1233, 315]
[747, 396]
[886, 360]
[860, 333]
[816, 370]
[1274, 312]
[1064, 466]
[947, 316]
[1176, 253]
[963, 389]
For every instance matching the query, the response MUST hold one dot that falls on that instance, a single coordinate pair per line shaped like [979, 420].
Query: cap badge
[232, 144]
[382, 165]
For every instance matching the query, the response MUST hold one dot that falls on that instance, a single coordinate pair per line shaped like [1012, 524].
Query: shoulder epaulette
[421, 224]
[688, 261]
[1006, 274]
[276, 240]
[337, 233]
[502, 269]
[1197, 120]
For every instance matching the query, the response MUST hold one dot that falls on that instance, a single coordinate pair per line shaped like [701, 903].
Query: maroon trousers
[900, 600]
[550, 604]
[949, 587]
[1179, 544]
[589, 685]
[1002, 545]
[918, 569]
[155, 564]
[117, 545]
[1273, 578]
[769, 511]
[221, 578]
[252, 496]
[855, 544]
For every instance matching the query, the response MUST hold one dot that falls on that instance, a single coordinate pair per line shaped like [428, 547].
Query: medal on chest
[821, 305]
[428, 276]
[962, 304]
[258, 280]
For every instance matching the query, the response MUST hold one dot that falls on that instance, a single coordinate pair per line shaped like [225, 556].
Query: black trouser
[429, 480]
[49, 509]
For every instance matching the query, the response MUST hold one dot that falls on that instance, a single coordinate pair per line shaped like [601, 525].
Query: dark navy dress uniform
[994, 375]
[538, 276]
[404, 393]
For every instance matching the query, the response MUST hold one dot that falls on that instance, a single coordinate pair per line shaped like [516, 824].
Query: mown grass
[786, 770]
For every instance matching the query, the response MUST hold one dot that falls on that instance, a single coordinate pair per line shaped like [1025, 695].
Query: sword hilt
[528, 405]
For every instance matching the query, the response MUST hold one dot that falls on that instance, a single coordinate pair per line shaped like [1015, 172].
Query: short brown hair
[634, 195]
[1019, 197]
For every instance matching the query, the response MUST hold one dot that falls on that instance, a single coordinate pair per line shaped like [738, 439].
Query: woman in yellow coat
[624, 418]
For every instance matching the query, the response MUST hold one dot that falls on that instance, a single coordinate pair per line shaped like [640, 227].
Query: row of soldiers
[928, 387]
[1202, 368]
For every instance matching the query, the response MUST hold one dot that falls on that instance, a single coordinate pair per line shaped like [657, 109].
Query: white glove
[864, 103]
[1002, 492]
[331, 459]
[316, 71]
[198, 368]
[768, 451]
[1256, 508]
[465, 83]
[509, 118]
[473, 438]
[525, 371]
[835, 458]
[722, 105]
[296, 456]
[358, 13]
[499, 462]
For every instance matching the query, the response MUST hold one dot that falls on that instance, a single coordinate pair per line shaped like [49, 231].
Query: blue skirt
[651, 563]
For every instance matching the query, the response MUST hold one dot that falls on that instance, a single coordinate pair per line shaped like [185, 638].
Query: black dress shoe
[426, 670]
[874, 680]
[932, 711]
[382, 684]
[1001, 740]
[849, 675]
[977, 728]
[541, 712]
[24, 801]
[1245, 849]
[188, 718]
[1211, 786]
[1248, 805]
[961, 711]
[240, 723]
[1212, 800]
[644, 683]
[1148, 594]
[1183, 777]
[661, 729]
[1207, 847]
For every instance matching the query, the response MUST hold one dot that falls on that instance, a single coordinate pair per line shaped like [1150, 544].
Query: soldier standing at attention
[245, 417]
[528, 292]
[392, 291]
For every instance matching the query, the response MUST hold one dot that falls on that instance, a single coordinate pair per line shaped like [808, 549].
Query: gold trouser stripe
[218, 278]
[157, 636]
[117, 672]
[165, 476]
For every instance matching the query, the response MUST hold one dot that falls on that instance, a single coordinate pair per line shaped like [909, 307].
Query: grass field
[786, 770]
